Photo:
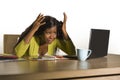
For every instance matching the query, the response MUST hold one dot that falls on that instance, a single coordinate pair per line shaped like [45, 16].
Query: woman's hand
[64, 26]
[38, 22]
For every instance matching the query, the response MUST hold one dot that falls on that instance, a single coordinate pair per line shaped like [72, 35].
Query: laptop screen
[98, 43]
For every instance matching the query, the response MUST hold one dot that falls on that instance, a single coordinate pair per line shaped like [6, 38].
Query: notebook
[7, 56]
[98, 42]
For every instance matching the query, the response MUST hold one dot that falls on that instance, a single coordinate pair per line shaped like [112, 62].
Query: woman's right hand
[38, 22]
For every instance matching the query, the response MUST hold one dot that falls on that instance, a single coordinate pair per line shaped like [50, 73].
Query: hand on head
[64, 26]
[39, 22]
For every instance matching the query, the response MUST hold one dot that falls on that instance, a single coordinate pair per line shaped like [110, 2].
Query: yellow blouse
[32, 48]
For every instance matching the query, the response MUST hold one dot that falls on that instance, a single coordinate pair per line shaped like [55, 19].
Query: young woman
[44, 36]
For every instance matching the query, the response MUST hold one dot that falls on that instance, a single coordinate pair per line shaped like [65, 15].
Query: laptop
[98, 42]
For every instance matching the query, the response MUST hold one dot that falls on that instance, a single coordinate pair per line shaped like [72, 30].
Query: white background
[17, 15]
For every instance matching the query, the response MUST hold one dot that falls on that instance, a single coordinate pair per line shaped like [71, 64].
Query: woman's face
[50, 34]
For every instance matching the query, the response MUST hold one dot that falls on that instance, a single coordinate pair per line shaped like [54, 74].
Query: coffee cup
[83, 54]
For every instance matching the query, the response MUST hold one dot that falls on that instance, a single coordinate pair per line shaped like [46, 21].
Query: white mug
[83, 54]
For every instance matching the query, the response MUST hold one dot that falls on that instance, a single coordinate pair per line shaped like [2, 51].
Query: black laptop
[98, 43]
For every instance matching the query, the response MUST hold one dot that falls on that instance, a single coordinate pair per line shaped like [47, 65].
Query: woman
[44, 36]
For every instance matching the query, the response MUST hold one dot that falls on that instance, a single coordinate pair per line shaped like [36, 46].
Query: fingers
[42, 23]
[65, 17]
[64, 14]
[39, 21]
[40, 18]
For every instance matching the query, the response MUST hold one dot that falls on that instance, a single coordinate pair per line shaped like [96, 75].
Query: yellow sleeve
[21, 48]
[67, 46]
[32, 48]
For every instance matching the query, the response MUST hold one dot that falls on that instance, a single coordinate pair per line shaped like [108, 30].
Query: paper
[47, 57]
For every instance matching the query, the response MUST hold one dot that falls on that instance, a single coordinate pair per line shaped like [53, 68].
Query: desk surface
[62, 68]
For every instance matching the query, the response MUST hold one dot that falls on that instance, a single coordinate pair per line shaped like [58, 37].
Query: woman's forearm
[28, 37]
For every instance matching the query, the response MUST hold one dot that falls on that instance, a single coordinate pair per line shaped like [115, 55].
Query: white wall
[16, 15]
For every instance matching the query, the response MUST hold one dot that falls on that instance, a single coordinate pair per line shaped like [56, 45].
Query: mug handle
[89, 53]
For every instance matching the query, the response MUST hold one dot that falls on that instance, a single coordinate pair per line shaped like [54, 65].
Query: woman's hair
[50, 22]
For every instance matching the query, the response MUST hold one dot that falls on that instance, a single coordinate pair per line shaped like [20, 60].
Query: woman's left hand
[64, 26]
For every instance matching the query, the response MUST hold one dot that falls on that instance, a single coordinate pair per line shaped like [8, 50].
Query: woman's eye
[51, 32]
[48, 32]
[55, 32]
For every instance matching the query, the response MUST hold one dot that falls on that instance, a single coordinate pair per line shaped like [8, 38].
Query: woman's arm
[28, 40]
[22, 48]
[38, 22]
[66, 45]
[64, 26]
